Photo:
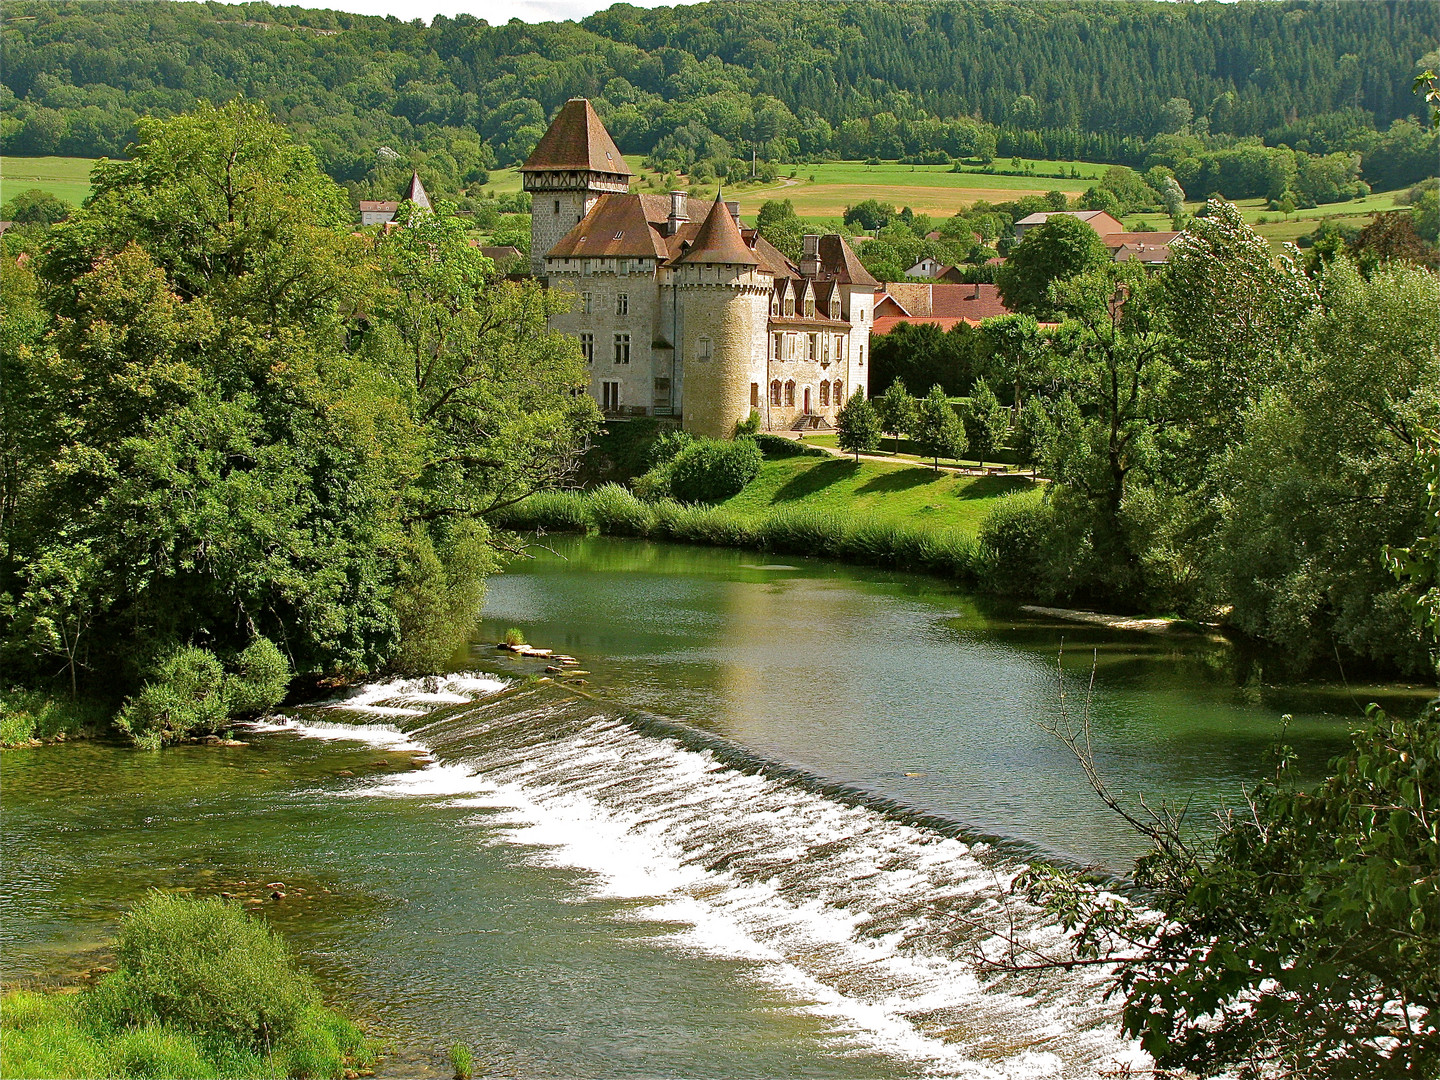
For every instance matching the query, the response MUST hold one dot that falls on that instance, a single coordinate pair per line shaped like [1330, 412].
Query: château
[681, 310]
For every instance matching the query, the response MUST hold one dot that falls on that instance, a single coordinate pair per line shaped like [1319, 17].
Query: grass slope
[66, 178]
[909, 494]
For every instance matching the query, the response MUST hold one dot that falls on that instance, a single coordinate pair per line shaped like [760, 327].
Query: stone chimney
[679, 212]
[734, 207]
[976, 294]
[810, 255]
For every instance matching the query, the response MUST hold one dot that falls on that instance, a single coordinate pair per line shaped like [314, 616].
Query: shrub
[666, 446]
[775, 447]
[514, 636]
[747, 427]
[1012, 541]
[184, 696]
[202, 966]
[320, 1044]
[711, 470]
[617, 512]
[261, 678]
[654, 485]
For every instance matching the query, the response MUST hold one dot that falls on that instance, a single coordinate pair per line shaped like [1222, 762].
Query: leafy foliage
[244, 421]
[709, 470]
[858, 425]
[1063, 247]
[938, 431]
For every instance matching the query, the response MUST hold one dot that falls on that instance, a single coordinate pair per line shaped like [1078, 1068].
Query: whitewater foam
[850, 914]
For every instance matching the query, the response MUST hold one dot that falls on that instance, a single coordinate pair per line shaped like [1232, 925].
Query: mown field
[66, 178]
[902, 493]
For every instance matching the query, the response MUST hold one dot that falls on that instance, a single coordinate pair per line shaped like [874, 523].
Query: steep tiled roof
[885, 324]
[576, 140]
[615, 227]
[415, 193]
[772, 260]
[838, 262]
[719, 240]
[913, 296]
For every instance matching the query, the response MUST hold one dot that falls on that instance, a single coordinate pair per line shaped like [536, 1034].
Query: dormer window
[835, 308]
[809, 307]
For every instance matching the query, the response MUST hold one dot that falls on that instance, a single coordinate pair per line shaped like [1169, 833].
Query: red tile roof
[373, 207]
[968, 301]
[719, 240]
[576, 140]
[1148, 239]
[615, 227]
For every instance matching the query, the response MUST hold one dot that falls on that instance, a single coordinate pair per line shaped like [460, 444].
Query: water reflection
[901, 685]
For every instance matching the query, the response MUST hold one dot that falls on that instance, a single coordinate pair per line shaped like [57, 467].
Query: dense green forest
[1133, 83]
[239, 442]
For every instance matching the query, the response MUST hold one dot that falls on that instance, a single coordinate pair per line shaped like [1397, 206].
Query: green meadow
[66, 178]
[911, 494]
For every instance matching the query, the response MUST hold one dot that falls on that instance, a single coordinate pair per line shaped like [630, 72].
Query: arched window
[790, 392]
[824, 392]
[839, 393]
[775, 392]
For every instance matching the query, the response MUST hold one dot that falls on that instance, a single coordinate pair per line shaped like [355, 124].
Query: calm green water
[539, 874]
[900, 685]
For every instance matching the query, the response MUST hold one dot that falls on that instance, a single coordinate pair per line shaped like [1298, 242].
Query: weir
[850, 912]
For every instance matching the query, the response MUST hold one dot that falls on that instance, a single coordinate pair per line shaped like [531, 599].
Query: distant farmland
[67, 178]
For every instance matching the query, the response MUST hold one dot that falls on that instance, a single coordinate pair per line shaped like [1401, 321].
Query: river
[763, 840]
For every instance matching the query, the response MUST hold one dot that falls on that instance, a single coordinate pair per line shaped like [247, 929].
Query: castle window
[622, 303]
[622, 266]
[825, 349]
[587, 346]
[824, 392]
[775, 392]
[809, 307]
[813, 353]
[703, 351]
[622, 348]
[754, 395]
[774, 303]
[790, 392]
[586, 303]
[839, 392]
[610, 396]
[557, 206]
[834, 307]
[860, 356]
[776, 340]
[789, 305]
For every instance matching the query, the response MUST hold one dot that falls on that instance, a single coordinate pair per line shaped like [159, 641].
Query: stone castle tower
[573, 164]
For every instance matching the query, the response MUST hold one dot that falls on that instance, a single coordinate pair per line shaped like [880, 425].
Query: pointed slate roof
[576, 140]
[415, 193]
[719, 240]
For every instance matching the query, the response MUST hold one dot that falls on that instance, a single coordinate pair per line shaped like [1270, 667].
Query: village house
[680, 309]
[1150, 248]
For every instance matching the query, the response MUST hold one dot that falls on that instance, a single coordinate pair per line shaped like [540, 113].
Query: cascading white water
[854, 916]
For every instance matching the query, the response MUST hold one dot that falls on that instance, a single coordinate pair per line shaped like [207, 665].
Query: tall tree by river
[223, 434]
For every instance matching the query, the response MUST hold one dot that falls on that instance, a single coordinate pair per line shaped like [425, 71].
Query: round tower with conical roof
[724, 300]
[574, 162]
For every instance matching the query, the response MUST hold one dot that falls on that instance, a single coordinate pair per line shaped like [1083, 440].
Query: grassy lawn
[1278, 230]
[905, 493]
[66, 178]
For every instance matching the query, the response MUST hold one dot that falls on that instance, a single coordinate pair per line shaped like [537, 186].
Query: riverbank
[868, 513]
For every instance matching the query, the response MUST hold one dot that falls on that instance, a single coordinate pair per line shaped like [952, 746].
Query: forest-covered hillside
[1104, 81]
